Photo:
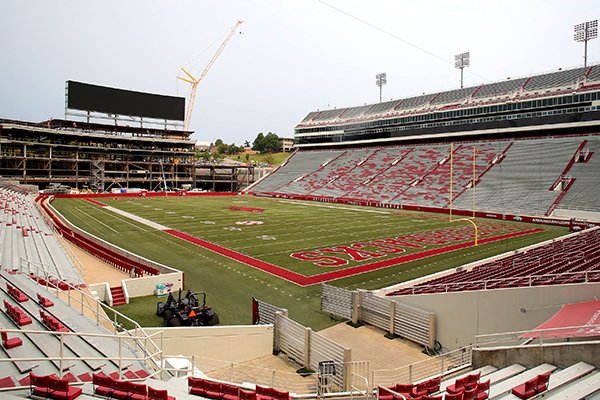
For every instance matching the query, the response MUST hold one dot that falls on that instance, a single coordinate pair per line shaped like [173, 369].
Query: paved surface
[97, 271]
[369, 344]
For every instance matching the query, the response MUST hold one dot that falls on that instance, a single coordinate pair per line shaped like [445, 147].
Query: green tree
[266, 144]
[272, 143]
[222, 148]
[233, 149]
[259, 143]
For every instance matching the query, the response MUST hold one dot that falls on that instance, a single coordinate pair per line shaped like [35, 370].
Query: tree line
[268, 143]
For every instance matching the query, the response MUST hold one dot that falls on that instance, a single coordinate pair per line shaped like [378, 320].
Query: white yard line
[136, 218]
[97, 220]
[334, 207]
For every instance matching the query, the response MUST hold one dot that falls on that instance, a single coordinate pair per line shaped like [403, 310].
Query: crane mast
[195, 81]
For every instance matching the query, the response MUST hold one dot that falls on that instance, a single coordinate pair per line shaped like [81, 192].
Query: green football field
[292, 247]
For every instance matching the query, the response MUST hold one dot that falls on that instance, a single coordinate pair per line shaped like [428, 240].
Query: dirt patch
[369, 344]
[95, 270]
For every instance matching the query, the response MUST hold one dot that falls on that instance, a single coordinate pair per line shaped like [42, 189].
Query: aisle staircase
[118, 296]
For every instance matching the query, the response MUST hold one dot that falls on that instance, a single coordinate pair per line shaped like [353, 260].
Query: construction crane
[195, 81]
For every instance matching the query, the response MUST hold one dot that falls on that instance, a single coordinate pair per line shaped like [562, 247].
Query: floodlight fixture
[380, 80]
[461, 61]
[584, 32]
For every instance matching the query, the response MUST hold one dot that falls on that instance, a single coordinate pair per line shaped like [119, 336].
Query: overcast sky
[292, 56]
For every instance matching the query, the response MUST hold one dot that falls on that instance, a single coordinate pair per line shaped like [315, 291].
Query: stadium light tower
[380, 80]
[584, 32]
[461, 61]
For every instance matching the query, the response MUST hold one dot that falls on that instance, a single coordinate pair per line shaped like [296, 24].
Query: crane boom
[195, 81]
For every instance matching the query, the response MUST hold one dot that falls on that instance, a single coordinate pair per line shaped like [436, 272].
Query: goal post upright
[473, 182]
[451, 160]
[474, 226]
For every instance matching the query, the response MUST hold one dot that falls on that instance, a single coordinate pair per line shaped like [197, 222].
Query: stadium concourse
[523, 149]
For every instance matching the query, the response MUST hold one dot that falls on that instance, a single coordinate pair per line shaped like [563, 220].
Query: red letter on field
[315, 257]
[357, 255]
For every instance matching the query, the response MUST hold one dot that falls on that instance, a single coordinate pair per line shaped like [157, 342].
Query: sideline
[137, 218]
[334, 207]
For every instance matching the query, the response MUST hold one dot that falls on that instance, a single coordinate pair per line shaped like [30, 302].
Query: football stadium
[441, 246]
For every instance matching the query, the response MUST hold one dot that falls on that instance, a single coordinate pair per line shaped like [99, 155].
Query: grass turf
[287, 227]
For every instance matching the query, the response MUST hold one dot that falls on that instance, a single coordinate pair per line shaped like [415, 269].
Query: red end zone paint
[95, 202]
[302, 280]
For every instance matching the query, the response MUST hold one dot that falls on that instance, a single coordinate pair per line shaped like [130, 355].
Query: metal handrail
[495, 338]
[438, 365]
[486, 282]
[393, 392]
[352, 387]
[116, 325]
[61, 358]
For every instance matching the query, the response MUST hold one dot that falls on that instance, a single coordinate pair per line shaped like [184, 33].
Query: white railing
[357, 390]
[303, 384]
[63, 360]
[78, 299]
[441, 365]
[240, 373]
[536, 337]
[390, 391]
[519, 281]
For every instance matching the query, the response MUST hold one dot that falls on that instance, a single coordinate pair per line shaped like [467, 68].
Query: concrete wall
[145, 286]
[461, 316]
[561, 355]
[584, 215]
[227, 343]
[101, 290]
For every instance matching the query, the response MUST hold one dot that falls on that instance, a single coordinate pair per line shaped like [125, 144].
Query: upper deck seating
[556, 79]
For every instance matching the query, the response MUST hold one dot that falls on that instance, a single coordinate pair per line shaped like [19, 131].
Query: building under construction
[111, 139]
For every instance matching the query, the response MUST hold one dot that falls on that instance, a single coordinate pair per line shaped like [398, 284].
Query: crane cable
[362, 21]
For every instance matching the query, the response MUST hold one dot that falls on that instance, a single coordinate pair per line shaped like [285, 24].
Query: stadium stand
[522, 181]
[323, 181]
[569, 78]
[381, 108]
[453, 96]
[414, 102]
[499, 89]
[510, 382]
[303, 163]
[350, 113]
[97, 352]
[27, 236]
[518, 176]
[525, 146]
[327, 115]
[558, 82]
[584, 175]
[574, 259]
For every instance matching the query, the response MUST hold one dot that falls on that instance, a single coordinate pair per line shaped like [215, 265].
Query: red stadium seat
[10, 343]
[526, 390]
[159, 394]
